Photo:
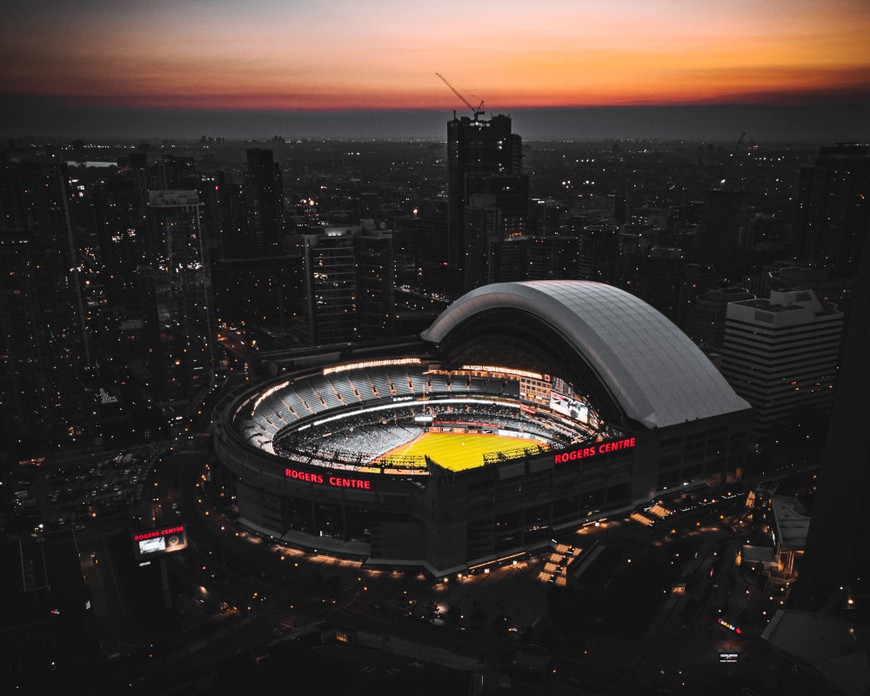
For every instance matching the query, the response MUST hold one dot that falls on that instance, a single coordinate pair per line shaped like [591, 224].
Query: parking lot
[70, 493]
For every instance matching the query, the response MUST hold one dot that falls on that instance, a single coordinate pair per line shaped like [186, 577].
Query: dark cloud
[42, 117]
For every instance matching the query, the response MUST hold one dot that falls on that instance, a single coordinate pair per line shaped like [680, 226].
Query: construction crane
[736, 150]
[478, 110]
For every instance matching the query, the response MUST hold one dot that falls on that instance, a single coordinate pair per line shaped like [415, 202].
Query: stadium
[525, 409]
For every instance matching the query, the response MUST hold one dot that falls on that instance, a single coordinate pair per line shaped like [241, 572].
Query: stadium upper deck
[349, 415]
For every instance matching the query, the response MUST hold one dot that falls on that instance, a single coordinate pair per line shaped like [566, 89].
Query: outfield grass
[456, 451]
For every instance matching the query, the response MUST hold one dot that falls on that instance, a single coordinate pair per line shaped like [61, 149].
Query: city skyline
[265, 360]
[370, 69]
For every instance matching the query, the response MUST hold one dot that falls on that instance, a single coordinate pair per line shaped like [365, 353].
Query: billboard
[569, 407]
[156, 542]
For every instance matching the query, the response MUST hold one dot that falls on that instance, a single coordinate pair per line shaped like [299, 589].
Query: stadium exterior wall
[448, 521]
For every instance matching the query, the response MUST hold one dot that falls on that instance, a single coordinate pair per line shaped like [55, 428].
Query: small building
[759, 556]
[791, 522]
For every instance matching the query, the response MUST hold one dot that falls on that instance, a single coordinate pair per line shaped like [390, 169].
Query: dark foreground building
[617, 407]
[48, 636]
[837, 559]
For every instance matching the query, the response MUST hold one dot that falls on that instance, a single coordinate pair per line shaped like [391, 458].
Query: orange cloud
[338, 54]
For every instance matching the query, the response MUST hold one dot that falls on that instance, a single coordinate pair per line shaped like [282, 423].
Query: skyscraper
[483, 157]
[171, 173]
[330, 286]
[374, 253]
[834, 212]
[178, 305]
[671, 284]
[225, 216]
[781, 355]
[706, 320]
[599, 253]
[348, 283]
[120, 212]
[552, 257]
[725, 226]
[44, 344]
[482, 225]
[265, 200]
[261, 292]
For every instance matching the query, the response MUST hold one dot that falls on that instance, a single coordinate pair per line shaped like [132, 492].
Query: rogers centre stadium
[524, 410]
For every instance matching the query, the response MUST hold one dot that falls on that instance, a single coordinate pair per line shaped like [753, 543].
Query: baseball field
[458, 451]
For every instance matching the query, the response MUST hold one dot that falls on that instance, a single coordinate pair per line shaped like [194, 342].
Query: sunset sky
[217, 55]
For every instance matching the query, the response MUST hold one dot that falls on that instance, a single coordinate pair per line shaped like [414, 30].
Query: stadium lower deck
[397, 416]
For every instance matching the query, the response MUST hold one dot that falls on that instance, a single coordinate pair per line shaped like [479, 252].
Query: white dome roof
[657, 375]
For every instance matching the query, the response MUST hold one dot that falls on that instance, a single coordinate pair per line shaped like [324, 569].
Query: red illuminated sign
[156, 542]
[335, 481]
[731, 627]
[587, 452]
[159, 533]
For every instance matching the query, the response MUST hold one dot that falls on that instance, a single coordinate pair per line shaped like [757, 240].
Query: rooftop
[792, 522]
[826, 645]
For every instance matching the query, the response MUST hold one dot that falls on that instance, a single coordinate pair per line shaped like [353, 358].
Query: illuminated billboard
[156, 542]
[569, 407]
